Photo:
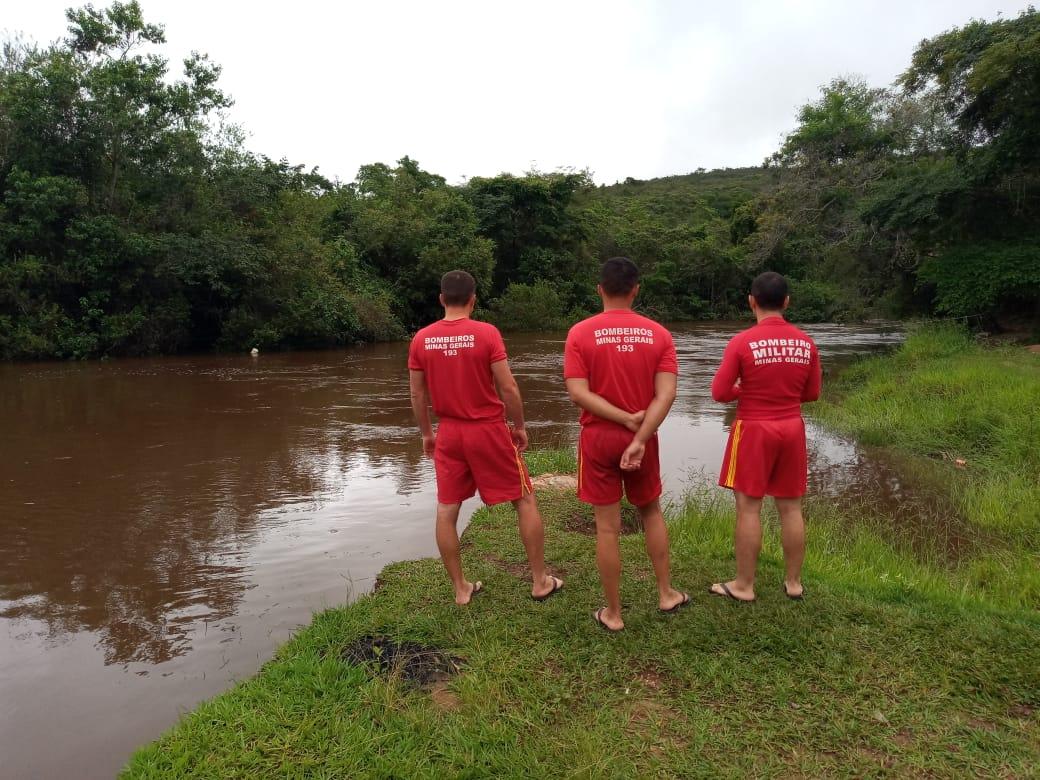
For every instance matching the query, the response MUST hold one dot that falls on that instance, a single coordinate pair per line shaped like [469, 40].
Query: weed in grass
[409, 661]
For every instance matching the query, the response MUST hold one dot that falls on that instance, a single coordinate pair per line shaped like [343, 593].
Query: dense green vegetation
[890, 666]
[133, 220]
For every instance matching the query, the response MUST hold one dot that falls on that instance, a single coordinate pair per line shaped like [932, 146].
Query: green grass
[945, 397]
[887, 667]
[551, 461]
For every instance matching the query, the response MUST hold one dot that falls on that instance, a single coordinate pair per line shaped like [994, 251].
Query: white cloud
[474, 88]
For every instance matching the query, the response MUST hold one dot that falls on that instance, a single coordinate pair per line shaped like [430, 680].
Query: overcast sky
[634, 88]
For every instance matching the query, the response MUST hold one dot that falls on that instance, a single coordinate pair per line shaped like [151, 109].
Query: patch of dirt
[644, 710]
[410, 661]
[651, 679]
[1021, 711]
[444, 699]
[1034, 348]
[982, 725]
[555, 482]
[554, 668]
[581, 521]
[883, 759]
[516, 569]
[903, 738]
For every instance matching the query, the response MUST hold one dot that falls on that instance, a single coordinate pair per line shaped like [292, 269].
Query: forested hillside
[133, 220]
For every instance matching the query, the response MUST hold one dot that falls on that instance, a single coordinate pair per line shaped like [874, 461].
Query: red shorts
[478, 455]
[600, 478]
[766, 458]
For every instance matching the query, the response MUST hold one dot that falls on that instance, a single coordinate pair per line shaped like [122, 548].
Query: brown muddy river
[166, 523]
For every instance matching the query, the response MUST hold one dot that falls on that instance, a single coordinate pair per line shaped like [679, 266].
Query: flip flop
[557, 587]
[684, 603]
[597, 616]
[799, 597]
[727, 593]
[478, 587]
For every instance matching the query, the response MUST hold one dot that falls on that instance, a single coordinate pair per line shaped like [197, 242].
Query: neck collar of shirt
[452, 322]
[775, 319]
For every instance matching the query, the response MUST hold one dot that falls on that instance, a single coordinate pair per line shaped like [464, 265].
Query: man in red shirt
[769, 369]
[458, 364]
[620, 368]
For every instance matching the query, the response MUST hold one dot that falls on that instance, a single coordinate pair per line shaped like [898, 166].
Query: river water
[166, 523]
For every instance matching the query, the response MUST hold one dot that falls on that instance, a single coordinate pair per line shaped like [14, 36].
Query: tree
[986, 75]
[409, 227]
[529, 219]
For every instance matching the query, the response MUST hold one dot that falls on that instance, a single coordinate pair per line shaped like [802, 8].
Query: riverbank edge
[966, 702]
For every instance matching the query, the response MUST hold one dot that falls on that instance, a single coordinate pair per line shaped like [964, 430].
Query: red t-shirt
[778, 366]
[456, 356]
[619, 352]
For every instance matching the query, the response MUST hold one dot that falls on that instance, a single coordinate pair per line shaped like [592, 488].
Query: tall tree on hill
[985, 75]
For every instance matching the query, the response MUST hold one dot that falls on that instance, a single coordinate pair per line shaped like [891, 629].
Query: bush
[984, 278]
[537, 306]
[813, 301]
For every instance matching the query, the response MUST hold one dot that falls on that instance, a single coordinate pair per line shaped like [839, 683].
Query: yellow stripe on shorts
[520, 468]
[731, 472]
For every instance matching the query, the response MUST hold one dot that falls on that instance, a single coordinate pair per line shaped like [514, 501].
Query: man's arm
[814, 383]
[665, 384]
[421, 409]
[509, 392]
[581, 395]
[724, 387]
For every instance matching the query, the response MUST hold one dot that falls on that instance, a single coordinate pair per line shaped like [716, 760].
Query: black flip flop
[684, 603]
[478, 587]
[557, 587]
[727, 593]
[604, 626]
[799, 597]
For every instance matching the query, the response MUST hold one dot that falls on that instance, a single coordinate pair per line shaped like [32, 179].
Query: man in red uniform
[620, 368]
[769, 369]
[458, 364]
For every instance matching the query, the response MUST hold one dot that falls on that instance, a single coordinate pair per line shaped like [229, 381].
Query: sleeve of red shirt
[669, 363]
[724, 386]
[811, 391]
[573, 362]
[498, 345]
[414, 355]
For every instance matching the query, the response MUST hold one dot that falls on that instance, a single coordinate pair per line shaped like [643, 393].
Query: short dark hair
[619, 276]
[769, 290]
[458, 287]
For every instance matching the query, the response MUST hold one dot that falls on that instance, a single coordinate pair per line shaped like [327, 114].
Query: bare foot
[732, 590]
[548, 586]
[794, 590]
[607, 619]
[672, 600]
[464, 597]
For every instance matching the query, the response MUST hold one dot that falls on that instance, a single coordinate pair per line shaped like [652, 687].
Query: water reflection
[183, 514]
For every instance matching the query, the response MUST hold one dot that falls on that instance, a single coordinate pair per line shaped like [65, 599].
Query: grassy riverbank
[893, 664]
[964, 416]
[882, 668]
[945, 397]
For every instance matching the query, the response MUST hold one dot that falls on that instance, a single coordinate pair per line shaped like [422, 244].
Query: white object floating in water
[254, 352]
